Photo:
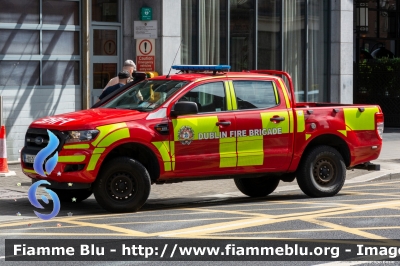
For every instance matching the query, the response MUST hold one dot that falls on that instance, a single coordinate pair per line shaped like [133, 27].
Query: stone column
[170, 34]
[86, 77]
[342, 51]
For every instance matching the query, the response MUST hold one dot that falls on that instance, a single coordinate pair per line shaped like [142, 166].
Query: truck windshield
[146, 95]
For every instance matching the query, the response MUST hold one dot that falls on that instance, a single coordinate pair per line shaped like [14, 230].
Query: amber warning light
[162, 128]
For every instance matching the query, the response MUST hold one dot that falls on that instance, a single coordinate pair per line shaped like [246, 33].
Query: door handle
[277, 119]
[223, 123]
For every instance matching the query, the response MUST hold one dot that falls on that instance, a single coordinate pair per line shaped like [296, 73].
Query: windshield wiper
[142, 108]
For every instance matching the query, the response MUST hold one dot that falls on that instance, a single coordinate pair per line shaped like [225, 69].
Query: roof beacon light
[213, 68]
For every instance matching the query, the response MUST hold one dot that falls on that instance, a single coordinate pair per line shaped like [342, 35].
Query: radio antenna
[174, 59]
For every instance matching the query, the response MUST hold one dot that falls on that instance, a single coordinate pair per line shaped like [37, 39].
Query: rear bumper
[365, 154]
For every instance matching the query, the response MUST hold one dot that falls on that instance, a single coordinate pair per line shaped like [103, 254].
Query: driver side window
[209, 97]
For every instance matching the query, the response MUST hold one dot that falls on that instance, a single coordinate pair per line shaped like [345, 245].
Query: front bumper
[64, 185]
[72, 166]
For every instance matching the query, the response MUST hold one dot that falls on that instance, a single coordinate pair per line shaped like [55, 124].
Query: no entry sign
[145, 54]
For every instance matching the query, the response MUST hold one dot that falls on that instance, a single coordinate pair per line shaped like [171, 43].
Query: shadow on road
[391, 130]
[11, 207]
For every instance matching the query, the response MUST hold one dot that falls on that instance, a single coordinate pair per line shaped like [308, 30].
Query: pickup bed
[204, 124]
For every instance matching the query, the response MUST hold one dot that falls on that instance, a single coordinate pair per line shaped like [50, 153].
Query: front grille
[29, 165]
[35, 134]
[37, 138]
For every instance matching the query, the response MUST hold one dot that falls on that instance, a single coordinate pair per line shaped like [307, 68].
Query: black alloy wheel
[123, 185]
[321, 172]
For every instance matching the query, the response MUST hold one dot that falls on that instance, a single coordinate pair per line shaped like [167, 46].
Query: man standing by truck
[129, 66]
[122, 77]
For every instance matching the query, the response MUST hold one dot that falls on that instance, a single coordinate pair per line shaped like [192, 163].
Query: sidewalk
[13, 187]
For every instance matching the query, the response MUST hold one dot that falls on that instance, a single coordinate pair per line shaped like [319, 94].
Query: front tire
[322, 172]
[122, 186]
[257, 187]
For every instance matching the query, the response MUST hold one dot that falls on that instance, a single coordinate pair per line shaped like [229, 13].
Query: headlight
[81, 136]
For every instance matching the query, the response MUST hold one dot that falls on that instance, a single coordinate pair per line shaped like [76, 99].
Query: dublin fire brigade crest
[185, 135]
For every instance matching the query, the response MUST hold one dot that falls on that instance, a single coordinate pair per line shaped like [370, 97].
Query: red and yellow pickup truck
[202, 123]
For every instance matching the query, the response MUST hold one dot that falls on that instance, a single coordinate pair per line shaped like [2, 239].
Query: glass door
[105, 57]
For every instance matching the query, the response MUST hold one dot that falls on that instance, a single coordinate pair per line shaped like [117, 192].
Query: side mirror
[184, 108]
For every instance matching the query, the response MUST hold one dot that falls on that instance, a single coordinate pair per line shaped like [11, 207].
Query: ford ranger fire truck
[199, 124]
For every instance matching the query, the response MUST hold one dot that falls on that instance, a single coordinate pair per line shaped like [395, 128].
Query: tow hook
[368, 166]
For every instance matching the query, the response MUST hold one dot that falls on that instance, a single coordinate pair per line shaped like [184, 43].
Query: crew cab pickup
[201, 123]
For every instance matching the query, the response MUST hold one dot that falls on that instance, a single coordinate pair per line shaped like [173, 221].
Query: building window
[381, 36]
[204, 32]
[19, 73]
[281, 34]
[241, 27]
[105, 10]
[269, 35]
[20, 12]
[60, 12]
[19, 42]
[40, 43]
[60, 72]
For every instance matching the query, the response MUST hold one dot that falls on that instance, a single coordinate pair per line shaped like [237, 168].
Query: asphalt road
[362, 211]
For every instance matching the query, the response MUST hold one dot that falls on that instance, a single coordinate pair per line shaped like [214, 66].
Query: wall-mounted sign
[145, 29]
[145, 55]
[146, 13]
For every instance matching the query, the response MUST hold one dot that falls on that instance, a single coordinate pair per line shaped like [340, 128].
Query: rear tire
[257, 187]
[72, 195]
[123, 185]
[322, 172]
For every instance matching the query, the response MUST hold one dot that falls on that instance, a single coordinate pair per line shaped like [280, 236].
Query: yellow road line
[62, 234]
[298, 208]
[342, 228]
[129, 223]
[81, 223]
[252, 222]
[362, 200]
[231, 212]
[362, 193]
[25, 222]
[306, 230]
[379, 188]
[258, 219]
[362, 216]
[270, 203]
[109, 227]
[317, 202]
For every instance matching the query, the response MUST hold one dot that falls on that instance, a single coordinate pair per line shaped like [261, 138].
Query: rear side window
[255, 94]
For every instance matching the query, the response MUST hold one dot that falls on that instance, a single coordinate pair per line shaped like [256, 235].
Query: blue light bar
[201, 67]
